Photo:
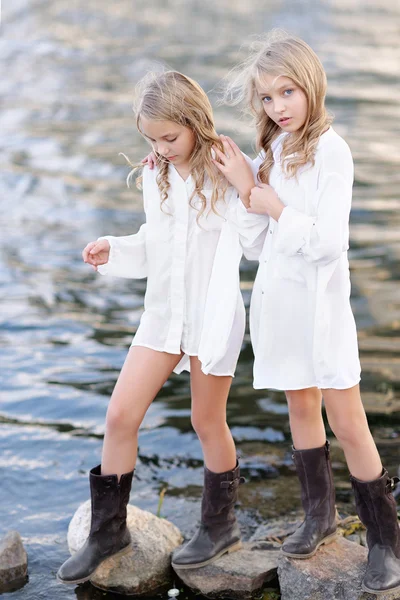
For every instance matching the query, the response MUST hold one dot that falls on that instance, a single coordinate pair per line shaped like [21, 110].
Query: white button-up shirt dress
[301, 323]
[176, 252]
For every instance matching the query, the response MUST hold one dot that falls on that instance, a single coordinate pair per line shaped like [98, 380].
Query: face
[174, 142]
[283, 101]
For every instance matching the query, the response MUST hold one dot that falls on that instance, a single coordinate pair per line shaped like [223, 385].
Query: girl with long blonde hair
[185, 202]
[302, 327]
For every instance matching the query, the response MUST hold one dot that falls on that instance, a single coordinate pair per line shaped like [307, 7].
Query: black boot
[318, 498]
[376, 507]
[109, 534]
[219, 532]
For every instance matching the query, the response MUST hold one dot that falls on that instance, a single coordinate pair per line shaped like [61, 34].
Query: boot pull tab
[228, 485]
[392, 484]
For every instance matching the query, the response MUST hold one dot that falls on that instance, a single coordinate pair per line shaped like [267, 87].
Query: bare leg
[144, 373]
[313, 467]
[218, 532]
[348, 421]
[306, 423]
[209, 398]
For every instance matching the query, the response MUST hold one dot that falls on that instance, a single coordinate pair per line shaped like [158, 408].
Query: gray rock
[277, 529]
[334, 573]
[236, 575]
[147, 567]
[13, 561]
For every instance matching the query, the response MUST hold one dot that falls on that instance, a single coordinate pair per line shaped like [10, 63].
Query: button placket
[177, 285]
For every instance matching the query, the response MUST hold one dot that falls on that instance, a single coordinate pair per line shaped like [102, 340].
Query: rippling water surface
[66, 93]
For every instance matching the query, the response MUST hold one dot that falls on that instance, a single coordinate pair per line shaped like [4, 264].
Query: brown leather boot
[376, 507]
[318, 498]
[218, 532]
[109, 534]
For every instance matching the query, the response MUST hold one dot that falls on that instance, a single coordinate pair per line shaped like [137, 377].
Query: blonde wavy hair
[172, 96]
[280, 53]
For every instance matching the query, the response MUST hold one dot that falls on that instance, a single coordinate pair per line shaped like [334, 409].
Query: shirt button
[270, 230]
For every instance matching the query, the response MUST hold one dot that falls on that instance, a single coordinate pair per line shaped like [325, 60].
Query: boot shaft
[109, 500]
[377, 509]
[314, 470]
[220, 495]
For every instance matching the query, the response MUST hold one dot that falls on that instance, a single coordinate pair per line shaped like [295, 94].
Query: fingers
[228, 147]
[86, 250]
[219, 165]
[93, 249]
[220, 154]
[152, 160]
[233, 145]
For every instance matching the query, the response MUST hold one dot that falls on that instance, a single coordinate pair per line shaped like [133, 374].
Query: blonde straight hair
[280, 53]
[172, 96]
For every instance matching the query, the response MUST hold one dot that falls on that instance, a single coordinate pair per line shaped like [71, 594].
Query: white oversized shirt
[176, 253]
[301, 323]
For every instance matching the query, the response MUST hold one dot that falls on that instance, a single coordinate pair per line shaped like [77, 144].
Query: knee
[206, 426]
[348, 431]
[121, 421]
[304, 404]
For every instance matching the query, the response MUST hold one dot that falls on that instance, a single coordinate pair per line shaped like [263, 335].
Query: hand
[96, 253]
[264, 201]
[150, 161]
[234, 166]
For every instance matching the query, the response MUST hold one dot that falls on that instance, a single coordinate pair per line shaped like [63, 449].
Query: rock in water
[13, 561]
[144, 570]
[335, 572]
[236, 575]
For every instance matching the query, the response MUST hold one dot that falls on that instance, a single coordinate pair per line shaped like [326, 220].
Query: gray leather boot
[218, 532]
[318, 498]
[376, 507]
[109, 534]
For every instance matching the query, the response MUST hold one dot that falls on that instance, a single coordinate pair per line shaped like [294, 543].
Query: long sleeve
[321, 238]
[223, 295]
[127, 255]
[251, 228]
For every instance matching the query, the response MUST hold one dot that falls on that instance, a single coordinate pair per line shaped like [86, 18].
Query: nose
[163, 149]
[279, 105]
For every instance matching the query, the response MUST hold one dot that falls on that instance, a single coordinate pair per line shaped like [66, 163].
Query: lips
[284, 120]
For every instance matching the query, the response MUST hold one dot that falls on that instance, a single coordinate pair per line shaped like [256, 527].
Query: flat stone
[13, 561]
[144, 570]
[236, 575]
[335, 572]
[277, 529]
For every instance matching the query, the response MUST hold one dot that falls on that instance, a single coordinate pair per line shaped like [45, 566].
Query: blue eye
[266, 99]
[290, 92]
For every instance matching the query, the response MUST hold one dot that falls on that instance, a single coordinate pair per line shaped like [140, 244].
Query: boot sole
[379, 593]
[83, 579]
[236, 546]
[325, 541]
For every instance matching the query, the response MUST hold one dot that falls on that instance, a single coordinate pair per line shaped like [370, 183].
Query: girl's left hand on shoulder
[264, 201]
[234, 166]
